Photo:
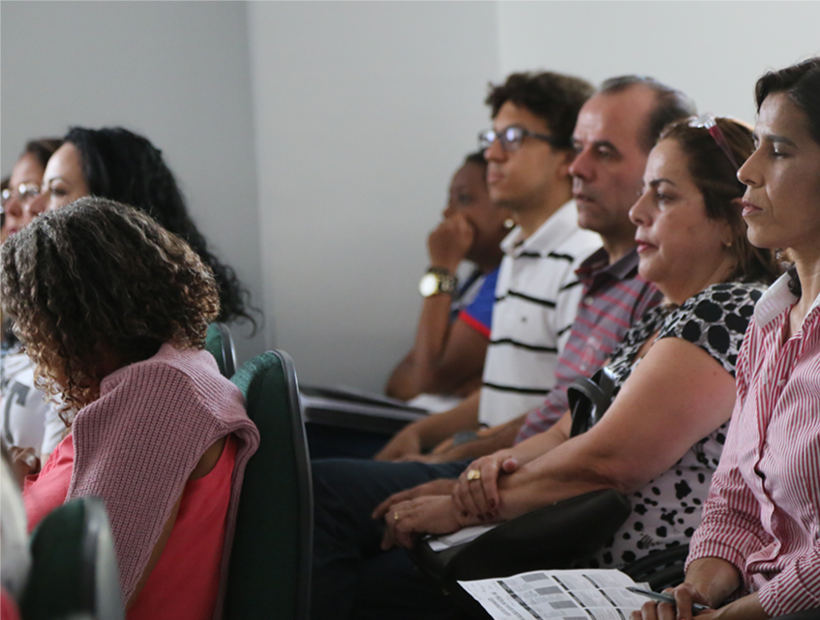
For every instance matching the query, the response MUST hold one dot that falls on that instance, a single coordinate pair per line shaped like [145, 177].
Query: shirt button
[781, 383]
[588, 300]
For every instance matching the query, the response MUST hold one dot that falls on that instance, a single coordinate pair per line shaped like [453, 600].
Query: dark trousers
[352, 577]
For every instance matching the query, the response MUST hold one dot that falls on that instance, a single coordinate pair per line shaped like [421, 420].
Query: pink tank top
[43, 492]
[8, 607]
[185, 581]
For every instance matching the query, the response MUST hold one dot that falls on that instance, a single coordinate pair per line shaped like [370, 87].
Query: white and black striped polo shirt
[537, 296]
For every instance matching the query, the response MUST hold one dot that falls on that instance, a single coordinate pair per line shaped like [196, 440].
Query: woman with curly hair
[113, 311]
[120, 165]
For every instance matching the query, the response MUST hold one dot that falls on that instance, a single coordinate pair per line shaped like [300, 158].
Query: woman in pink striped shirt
[759, 542]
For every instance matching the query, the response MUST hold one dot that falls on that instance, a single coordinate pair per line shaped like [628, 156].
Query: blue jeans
[352, 576]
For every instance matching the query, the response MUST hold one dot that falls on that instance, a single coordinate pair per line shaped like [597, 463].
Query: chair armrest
[661, 569]
[554, 536]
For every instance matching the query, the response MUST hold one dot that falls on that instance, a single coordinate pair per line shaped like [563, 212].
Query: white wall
[178, 72]
[713, 51]
[363, 111]
[315, 140]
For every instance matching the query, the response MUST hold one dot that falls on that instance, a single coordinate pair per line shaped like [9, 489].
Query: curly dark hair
[715, 175]
[476, 157]
[123, 166]
[554, 97]
[98, 280]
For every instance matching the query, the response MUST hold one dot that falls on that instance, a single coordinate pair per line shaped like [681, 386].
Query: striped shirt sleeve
[762, 513]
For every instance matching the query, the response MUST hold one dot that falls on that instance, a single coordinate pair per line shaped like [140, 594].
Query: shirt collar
[598, 263]
[777, 298]
[552, 232]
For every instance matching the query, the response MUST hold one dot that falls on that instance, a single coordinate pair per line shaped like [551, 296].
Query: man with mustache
[614, 133]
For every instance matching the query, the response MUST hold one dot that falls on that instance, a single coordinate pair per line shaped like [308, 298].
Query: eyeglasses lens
[25, 193]
[510, 139]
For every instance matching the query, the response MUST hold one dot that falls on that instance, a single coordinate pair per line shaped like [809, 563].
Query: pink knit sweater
[138, 443]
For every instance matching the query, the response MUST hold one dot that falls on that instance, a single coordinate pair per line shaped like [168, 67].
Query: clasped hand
[476, 493]
[417, 511]
[431, 514]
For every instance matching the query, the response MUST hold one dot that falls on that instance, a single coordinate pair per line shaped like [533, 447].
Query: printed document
[569, 594]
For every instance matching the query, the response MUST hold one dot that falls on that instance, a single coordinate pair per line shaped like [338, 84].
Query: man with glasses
[615, 131]
[528, 151]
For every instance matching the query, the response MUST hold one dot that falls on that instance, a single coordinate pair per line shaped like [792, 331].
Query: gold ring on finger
[396, 516]
[474, 474]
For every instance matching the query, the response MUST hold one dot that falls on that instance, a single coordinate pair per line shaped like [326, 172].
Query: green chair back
[219, 343]
[74, 567]
[270, 564]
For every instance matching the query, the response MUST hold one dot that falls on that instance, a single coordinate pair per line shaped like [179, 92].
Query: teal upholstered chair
[269, 573]
[219, 343]
[74, 567]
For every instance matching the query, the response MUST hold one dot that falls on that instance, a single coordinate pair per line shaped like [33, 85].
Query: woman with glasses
[19, 207]
[120, 165]
[661, 437]
[28, 420]
[113, 309]
[757, 545]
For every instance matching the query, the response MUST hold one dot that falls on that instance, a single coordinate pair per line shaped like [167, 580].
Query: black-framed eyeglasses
[708, 122]
[25, 192]
[511, 138]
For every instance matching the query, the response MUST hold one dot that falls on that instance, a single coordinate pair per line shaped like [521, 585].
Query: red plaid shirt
[615, 297]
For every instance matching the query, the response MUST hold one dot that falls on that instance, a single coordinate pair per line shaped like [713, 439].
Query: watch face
[429, 284]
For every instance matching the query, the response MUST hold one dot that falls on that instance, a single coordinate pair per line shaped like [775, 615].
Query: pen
[662, 597]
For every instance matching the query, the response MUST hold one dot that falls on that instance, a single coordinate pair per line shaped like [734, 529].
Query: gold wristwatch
[436, 281]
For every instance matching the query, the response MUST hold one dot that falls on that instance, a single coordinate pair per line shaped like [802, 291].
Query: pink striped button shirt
[763, 513]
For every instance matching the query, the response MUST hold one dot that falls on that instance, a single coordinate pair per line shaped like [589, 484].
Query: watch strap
[444, 282]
